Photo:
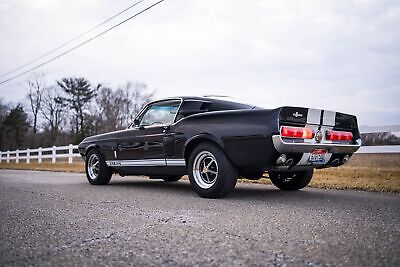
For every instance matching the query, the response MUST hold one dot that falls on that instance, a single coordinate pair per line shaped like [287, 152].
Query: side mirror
[136, 124]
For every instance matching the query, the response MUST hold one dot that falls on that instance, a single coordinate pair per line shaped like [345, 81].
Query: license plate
[317, 156]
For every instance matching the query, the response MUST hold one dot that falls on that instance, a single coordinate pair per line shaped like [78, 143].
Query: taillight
[297, 132]
[338, 136]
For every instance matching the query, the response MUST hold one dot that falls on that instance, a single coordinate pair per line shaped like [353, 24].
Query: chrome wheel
[93, 166]
[205, 169]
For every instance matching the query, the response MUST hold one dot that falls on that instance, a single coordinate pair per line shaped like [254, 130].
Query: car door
[144, 146]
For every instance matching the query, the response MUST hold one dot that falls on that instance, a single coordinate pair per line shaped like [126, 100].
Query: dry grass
[361, 178]
[370, 172]
[76, 166]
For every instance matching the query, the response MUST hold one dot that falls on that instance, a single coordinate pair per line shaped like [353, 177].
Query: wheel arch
[91, 147]
[191, 143]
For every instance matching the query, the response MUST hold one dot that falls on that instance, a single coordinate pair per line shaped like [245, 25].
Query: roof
[214, 99]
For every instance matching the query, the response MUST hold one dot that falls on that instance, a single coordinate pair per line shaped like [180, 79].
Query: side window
[190, 107]
[162, 113]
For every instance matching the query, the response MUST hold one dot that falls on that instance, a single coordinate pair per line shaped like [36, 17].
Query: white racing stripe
[329, 118]
[146, 162]
[313, 116]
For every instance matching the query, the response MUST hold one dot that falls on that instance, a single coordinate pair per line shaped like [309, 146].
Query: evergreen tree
[14, 128]
[79, 93]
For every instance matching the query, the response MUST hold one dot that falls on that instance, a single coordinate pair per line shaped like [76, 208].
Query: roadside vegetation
[73, 107]
[67, 111]
[368, 172]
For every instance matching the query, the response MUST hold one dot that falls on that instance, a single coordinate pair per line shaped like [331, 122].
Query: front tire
[211, 174]
[97, 171]
[290, 181]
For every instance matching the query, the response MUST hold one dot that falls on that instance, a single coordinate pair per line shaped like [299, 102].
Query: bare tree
[115, 110]
[134, 96]
[4, 108]
[53, 111]
[109, 109]
[36, 85]
[380, 139]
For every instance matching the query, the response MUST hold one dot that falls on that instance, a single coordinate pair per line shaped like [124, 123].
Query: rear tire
[97, 171]
[290, 181]
[211, 174]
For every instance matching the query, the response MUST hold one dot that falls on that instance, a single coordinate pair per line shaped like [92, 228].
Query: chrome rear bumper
[288, 147]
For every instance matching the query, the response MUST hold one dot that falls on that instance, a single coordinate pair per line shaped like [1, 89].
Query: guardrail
[40, 153]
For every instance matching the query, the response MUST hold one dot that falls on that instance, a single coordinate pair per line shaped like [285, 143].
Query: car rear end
[313, 138]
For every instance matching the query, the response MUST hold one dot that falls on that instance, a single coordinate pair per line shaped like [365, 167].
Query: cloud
[338, 55]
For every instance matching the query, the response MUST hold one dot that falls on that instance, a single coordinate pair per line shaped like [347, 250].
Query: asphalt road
[49, 218]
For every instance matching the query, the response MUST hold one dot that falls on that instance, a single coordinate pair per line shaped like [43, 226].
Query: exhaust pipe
[345, 159]
[281, 159]
[289, 162]
[335, 162]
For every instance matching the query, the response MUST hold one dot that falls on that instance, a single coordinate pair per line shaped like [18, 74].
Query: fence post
[53, 155]
[70, 153]
[1, 156]
[17, 156]
[8, 156]
[40, 155]
[28, 155]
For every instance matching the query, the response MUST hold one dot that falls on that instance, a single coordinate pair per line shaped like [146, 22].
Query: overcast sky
[337, 55]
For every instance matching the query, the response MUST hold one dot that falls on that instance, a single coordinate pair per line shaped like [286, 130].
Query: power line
[72, 40]
[101, 48]
[81, 44]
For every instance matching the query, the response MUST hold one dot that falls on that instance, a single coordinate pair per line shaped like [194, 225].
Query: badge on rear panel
[318, 136]
[297, 115]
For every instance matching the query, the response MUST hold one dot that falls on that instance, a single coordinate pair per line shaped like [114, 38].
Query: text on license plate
[317, 156]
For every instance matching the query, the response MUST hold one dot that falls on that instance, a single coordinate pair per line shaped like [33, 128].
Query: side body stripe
[146, 162]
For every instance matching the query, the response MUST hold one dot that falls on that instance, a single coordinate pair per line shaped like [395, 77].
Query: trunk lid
[299, 116]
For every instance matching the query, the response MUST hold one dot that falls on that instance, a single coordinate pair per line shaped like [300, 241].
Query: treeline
[379, 139]
[68, 111]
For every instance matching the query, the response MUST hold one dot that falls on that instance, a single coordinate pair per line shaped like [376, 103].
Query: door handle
[126, 147]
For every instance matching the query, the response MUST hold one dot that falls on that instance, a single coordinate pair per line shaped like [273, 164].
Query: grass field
[370, 172]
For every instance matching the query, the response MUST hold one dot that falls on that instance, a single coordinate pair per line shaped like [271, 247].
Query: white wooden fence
[70, 152]
[39, 154]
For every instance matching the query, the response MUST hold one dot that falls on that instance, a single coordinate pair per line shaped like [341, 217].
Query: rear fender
[195, 140]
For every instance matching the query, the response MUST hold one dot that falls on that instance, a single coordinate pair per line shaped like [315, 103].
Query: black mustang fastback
[215, 141]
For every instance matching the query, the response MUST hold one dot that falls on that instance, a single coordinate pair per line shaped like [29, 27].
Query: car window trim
[145, 108]
[189, 100]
